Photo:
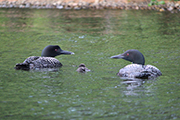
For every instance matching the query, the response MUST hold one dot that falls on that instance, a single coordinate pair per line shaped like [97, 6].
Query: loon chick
[46, 60]
[137, 69]
[82, 68]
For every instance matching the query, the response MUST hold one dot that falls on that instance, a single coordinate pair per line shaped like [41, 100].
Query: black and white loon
[137, 69]
[46, 60]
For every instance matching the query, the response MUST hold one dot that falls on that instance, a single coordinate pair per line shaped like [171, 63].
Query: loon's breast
[139, 71]
[34, 62]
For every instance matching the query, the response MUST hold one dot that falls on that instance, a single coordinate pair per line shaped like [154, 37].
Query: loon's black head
[131, 55]
[54, 50]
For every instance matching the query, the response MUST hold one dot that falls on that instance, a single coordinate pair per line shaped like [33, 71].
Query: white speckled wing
[42, 62]
[139, 71]
[154, 70]
[30, 59]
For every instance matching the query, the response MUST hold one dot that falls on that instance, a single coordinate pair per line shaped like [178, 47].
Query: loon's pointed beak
[66, 52]
[117, 56]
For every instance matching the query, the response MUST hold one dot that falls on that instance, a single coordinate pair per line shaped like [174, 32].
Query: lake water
[94, 36]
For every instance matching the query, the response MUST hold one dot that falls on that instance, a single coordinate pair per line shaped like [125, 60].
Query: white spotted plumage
[42, 62]
[139, 71]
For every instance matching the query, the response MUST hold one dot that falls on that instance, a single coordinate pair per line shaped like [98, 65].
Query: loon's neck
[143, 66]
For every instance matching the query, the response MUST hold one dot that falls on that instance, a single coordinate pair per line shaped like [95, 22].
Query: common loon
[82, 68]
[137, 69]
[46, 60]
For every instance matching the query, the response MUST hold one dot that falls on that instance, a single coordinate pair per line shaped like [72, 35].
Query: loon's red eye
[127, 54]
[55, 49]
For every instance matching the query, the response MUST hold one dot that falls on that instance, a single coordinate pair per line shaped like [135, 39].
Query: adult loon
[46, 60]
[82, 68]
[137, 69]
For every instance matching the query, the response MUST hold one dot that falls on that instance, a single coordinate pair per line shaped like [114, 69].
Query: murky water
[93, 36]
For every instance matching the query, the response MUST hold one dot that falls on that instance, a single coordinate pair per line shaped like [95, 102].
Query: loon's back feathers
[31, 59]
[48, 61]
[42, 62]
[34, 62]
[138, 69]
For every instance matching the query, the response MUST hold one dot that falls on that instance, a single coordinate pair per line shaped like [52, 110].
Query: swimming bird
[46, 60]
[137, 69]
[82, 68]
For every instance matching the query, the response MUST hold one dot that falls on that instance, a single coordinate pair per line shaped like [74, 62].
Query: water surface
[93, 36]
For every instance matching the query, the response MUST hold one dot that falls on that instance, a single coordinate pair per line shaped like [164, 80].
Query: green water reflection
[93, 36]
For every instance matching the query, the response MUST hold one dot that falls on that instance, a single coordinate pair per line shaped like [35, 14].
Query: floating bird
[46, 60]
[82, 68]
[137, 69]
